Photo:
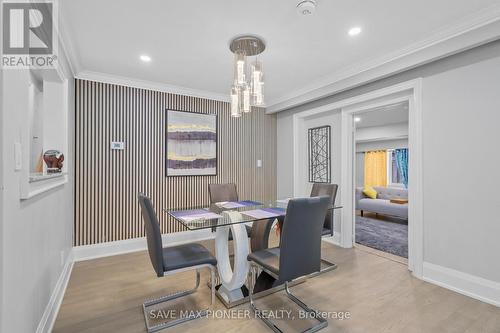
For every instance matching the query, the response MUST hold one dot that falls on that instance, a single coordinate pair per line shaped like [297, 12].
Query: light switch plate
[18, 156]
[117, 145]
[259, 163]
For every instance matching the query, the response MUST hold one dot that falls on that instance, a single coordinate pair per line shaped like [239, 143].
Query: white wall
[285, 155]
[383, 132]
[285, 151]
[304, 187]
[333, 120]
[1, 198]
[35, 231]
[461, 104]
[381, 145]
[36, 235]
[461, 135]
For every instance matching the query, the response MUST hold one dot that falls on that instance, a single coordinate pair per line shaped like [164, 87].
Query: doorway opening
[381, 181]
[411, 92]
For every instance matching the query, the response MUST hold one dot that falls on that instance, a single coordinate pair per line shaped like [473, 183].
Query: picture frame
[191, 144]
[319, 154]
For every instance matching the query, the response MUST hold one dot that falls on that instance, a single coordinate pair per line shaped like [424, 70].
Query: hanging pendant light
[235, 108]
[257, 83]
[240, 64]
[247, 90]
[246, 98]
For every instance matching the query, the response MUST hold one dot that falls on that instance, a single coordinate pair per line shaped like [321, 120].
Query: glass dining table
[241, 218]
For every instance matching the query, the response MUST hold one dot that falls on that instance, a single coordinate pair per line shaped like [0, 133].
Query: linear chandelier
[248, 85]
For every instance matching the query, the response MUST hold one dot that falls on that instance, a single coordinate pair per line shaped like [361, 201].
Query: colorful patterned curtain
[376, 168]
[402, 162]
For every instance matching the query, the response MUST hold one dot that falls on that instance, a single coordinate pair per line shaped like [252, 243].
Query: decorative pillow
[370, 192]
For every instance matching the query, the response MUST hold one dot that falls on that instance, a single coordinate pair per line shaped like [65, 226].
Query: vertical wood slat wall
[108, 181]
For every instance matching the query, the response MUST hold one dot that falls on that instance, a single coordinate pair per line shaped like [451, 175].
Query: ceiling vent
[306, 7]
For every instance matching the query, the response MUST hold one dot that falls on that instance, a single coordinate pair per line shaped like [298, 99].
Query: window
[393, 176]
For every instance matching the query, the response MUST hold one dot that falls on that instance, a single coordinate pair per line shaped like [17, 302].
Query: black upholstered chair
[329, 190]
[223, 193]
[171, 260]
[303, 225]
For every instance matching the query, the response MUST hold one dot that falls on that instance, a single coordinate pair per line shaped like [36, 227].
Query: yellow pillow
[370, 192]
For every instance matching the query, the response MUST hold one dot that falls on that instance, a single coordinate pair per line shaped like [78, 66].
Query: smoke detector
[306, 7]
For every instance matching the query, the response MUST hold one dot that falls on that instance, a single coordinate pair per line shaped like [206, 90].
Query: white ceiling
[188, 40]
[387, 115]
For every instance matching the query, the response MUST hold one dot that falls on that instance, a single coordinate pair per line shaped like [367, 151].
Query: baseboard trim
[335, 239]
[87, 252]
[49, 316]
[466, 284]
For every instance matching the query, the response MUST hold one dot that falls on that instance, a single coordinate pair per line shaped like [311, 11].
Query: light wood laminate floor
[106, 295]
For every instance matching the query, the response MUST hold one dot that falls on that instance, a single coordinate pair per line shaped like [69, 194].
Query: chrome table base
[326, 266]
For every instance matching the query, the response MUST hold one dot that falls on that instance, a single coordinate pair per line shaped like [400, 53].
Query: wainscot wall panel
[108, 181]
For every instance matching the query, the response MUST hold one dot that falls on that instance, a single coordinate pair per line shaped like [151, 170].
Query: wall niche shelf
[43, 183]
[46, 129]
[39, 177]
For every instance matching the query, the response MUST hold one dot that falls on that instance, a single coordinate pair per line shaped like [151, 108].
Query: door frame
[410, 91]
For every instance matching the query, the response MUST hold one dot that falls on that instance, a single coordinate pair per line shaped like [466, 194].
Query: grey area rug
[391, 237]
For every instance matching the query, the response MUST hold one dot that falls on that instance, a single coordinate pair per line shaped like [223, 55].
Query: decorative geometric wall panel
[319, 147]
[108, 181]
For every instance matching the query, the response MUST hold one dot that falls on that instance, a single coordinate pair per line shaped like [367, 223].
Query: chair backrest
[222, 192]
[153, 234]
[300, 249]
[331, 191]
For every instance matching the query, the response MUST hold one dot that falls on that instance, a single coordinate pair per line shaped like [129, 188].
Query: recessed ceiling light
[145, 58]
[354, 31]
[357, 119]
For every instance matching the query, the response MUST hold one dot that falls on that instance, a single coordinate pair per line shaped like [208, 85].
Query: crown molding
[67, 47]
[476, 30]
[150, 85]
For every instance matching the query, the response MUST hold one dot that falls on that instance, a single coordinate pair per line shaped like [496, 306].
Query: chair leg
[175, 295]
[196, 314]
[330, 266]
[212, 285]
[322, 322]
[258, 312]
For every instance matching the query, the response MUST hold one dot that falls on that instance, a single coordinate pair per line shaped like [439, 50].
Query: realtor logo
[28, 34]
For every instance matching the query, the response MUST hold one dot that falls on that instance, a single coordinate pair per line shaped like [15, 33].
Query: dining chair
[289, 261]
[172, 260]
[223, 193]
[329, 190]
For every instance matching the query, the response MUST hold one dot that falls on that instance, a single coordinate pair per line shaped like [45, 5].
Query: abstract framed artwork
[191, 144]
[319, 148]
